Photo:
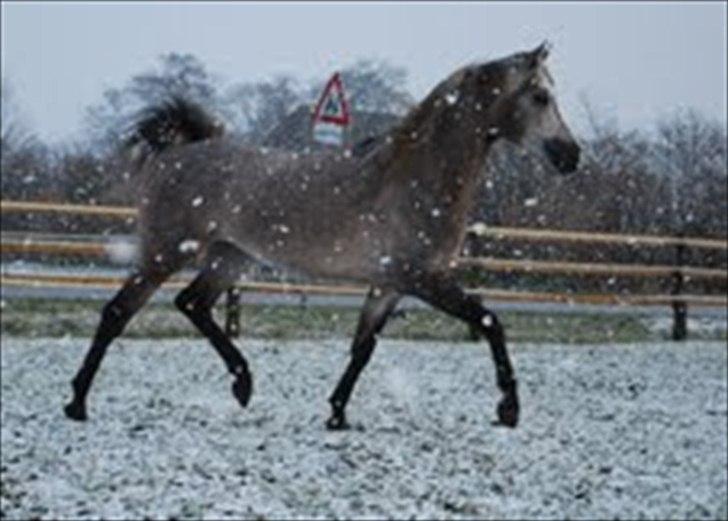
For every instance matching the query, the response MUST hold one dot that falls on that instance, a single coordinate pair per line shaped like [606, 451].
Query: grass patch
[52, 318]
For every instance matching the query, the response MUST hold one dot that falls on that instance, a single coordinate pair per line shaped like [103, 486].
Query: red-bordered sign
[332, 107]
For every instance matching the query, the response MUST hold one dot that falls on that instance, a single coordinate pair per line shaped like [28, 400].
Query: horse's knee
[182, 302]
[187, 302]
[490, 326]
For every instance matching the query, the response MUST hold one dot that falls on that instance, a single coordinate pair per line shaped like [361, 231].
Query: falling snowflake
[197, 201]
[451, 98]
[121, 251]
[531, 201]
[189, 246]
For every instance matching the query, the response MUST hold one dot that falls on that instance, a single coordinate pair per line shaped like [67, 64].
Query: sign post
[331, 116]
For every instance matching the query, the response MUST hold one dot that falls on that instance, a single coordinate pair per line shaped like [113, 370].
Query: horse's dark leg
[114, 317]
[377, 308]
[442, 292]
[222, 269]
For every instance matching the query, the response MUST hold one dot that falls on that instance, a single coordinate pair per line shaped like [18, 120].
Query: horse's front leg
[441, 291]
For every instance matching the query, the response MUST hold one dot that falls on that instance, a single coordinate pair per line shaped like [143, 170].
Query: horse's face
[526, 112]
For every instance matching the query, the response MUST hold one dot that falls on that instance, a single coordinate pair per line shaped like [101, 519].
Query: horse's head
[518, 102]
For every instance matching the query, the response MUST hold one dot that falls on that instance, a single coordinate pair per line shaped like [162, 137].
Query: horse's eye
[541, 97]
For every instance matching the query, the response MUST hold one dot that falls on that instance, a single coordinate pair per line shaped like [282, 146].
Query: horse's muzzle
[564, 155]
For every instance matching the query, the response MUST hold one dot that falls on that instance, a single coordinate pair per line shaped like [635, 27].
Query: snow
[607, 431]
[451, 98]
[197, 201]
[478, 228]
[189, 246]
[121, 251]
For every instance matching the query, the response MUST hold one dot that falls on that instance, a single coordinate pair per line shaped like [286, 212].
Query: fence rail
[114, 282]
[31, 245]
[679, 273]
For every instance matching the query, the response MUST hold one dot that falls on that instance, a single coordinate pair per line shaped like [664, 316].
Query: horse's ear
[539, 54]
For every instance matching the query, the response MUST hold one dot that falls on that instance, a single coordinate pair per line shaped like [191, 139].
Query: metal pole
[679, 307]
[232, 313]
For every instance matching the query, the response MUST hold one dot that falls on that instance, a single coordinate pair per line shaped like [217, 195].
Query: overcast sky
[635, 61]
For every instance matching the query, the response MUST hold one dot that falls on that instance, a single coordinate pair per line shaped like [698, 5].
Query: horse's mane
[434, 104]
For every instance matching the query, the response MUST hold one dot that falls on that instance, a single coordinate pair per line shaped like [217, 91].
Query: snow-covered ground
[607, 431]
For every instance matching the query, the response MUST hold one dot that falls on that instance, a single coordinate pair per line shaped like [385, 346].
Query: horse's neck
[441, 162]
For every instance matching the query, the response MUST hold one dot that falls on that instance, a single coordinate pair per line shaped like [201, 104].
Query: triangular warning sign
[332, 107]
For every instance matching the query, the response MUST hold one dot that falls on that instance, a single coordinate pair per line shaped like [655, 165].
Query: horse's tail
[175, 121]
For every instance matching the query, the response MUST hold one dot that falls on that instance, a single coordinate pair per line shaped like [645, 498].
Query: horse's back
[292, 209]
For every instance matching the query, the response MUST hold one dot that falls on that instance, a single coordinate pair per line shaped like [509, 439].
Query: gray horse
[392, 216]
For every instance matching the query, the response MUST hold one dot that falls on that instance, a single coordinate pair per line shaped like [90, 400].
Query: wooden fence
[62, 245]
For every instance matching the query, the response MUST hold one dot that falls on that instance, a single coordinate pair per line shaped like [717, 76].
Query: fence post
[232, 313]
[679, 307]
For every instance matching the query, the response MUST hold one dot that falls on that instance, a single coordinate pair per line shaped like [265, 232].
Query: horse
[392, 216]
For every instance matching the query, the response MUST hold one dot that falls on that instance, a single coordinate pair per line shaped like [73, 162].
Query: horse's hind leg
[222, 268]
[377, 308]
[442, 292]
[114, 317]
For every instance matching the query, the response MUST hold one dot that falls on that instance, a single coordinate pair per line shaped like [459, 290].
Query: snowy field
[608, 431]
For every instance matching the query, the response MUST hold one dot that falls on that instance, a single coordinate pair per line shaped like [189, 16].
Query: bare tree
[177, 75]
[15, 133]
[691, 151]
[255, 108]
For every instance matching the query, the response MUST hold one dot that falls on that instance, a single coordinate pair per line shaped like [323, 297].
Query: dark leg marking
[378, 306]
[115, 315]
[442, 292]
[196, 301]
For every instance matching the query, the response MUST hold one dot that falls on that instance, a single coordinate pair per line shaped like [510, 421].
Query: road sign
[331, 115]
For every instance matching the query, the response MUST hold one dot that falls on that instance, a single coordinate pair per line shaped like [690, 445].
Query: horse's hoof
[508, 411]
[76, 411]
[242, 389]
[337, 422]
